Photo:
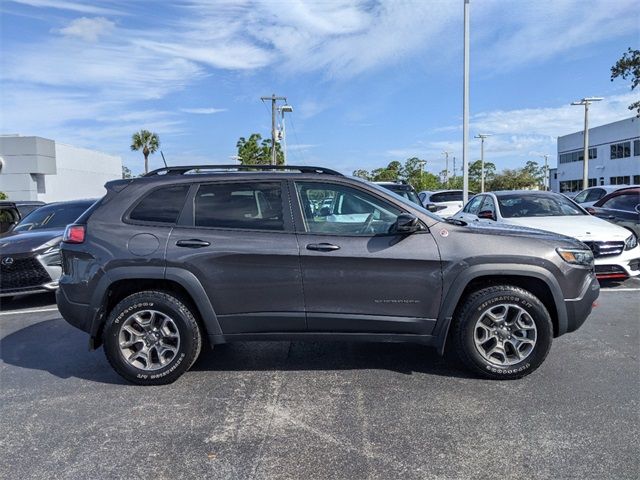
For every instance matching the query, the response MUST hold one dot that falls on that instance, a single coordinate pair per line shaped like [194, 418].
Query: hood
[503, 229]
[583, 227]
[24, 242]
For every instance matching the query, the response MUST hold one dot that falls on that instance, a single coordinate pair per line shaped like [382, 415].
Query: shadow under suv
[236, 253]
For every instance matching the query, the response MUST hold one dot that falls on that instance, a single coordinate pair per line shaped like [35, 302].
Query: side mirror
[487, 214]
[405, 224]
[432, 207]
[590, 210]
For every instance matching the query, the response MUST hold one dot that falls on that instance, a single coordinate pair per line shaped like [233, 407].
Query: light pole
[482, 136]
[546, 172]
[585, 170]
[274, 99]
[446, 168]
[422, 163]
[288, 109]
[465, 108]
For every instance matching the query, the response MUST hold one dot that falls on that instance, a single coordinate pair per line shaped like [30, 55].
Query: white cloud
[203, 111]
[71, 6]
[88, 29]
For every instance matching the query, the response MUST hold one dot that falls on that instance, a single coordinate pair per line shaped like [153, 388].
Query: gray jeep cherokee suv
[230, 253]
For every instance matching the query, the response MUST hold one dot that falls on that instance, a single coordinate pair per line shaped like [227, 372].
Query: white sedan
[615, 249]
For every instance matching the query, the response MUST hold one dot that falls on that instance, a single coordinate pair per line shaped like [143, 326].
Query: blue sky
[369, 81]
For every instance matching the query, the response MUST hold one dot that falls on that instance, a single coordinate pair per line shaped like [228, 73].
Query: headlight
[576, 256]
[630, 242]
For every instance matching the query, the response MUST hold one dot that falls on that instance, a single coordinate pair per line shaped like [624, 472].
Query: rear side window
[251, 206]
[626, 202]
[161, 206]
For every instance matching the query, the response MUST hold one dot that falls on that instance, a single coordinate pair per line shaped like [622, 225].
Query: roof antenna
[165, 162]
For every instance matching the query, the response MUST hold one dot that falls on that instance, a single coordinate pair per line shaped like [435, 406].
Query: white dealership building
[614, 157]
[36, 168]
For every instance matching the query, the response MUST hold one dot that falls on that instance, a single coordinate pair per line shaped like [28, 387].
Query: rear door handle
[192, 243]
[322, 247]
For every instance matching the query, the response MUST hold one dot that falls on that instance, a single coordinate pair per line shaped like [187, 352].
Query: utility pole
[422, 163]
[274, 133]
[465, 109]
[284, 109]
[446, 168]
[585, 168]
[482, 136]
[454, 169]
[546, 172]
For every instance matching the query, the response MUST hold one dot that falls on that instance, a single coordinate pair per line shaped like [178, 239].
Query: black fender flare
[460, 282]
[184, 278]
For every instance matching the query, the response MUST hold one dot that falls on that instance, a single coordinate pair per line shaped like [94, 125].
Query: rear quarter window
[162, 205]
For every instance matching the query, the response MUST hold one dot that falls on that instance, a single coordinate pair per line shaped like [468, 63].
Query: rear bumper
[79, 315]
[578, 309]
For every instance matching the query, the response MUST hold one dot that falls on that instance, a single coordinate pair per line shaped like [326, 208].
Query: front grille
[605, 249]
[610, 270]
[21, 273]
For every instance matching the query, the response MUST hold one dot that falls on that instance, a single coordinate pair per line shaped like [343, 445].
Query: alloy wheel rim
[149, 340]
[505, 334]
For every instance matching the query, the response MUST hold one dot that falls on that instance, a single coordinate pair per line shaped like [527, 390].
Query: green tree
[361, 173]
[257, 151]
[126, 172]
[629, 66]
[3, 196]
[475, 175]
[146, 141]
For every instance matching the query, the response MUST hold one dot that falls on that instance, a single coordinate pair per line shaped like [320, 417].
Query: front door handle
[323, 247]
[192, 243]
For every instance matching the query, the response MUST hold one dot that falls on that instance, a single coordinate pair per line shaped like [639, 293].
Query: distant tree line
[530, 176]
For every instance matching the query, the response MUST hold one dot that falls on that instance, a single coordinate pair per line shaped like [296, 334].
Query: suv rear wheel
[502, 332]
[151, 338]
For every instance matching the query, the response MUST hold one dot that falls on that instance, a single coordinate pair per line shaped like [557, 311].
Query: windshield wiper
[455, 221]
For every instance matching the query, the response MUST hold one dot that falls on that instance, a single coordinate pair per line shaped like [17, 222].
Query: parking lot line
[33, 310]
[620, 289]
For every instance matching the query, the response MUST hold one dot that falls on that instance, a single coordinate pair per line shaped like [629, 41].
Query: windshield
[537, 205]
[404, 191]
[52, 216]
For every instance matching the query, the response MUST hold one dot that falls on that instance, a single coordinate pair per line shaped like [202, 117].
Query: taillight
[74, 234]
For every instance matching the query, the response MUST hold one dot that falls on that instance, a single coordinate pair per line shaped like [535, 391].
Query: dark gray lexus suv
[234, 253]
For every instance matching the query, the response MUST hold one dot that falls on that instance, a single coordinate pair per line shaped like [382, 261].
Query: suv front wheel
[151, 338]
[502, 332]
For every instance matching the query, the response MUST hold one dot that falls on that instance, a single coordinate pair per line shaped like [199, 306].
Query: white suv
[443, 202]
[614, 248]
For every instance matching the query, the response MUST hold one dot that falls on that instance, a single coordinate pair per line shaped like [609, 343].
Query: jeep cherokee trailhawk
[234, 253]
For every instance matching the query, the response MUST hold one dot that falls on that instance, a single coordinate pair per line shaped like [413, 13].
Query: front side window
[336, 209]
[251, 206]
[626, 202]
[473, 206]
[162, 205]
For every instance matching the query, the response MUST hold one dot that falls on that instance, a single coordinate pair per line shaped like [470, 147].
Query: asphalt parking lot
[320, 410]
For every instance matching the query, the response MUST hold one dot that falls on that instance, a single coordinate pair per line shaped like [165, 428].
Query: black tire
[190, 338]
[475, 306]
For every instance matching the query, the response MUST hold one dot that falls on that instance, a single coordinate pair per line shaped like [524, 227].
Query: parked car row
[30, 251]
[615, 247]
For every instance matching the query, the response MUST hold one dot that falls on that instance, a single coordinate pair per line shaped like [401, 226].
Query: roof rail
[183, 169]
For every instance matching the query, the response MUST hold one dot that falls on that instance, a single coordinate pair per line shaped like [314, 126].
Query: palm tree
[148, 141]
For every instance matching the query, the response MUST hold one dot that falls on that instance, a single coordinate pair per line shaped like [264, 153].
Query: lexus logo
[7, 261]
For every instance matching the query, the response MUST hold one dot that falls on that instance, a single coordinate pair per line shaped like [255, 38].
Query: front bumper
[625, 265]
[578, 309]
[27, 273]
